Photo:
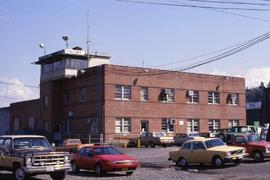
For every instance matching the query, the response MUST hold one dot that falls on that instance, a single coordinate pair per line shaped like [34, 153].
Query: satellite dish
[41, 45]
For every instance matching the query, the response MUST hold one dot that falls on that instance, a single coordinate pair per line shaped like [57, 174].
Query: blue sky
[130, 33]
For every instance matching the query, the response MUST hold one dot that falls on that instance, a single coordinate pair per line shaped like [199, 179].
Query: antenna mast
[87, 34]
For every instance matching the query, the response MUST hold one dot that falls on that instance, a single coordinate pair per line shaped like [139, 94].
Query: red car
[257, 148]
[102, 159]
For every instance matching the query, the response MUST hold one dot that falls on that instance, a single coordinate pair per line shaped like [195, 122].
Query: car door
[7, 153]
[185, 151]
[198, 153]
[1, 152]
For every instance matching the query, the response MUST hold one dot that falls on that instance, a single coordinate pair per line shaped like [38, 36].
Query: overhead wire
[14, 84]
[193, 6]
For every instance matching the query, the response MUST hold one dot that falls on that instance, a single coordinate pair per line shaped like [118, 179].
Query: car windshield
[26, 143]
[194, 134]
[213, 143]
[105, 150]
[158, 134]
[253, 138]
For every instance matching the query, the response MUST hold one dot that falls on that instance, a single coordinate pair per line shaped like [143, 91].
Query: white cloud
[12, 93]
[253, 77]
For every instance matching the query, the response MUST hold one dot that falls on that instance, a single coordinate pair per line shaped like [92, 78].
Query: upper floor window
[144, 94]
[167, 95]
[67, 97]
[31, 122]
[213, 98]
[16, 124]
[45, 101]
[82, 94]
[213, 124]
[193, 125]
[192, 96]
[122, 125]
[232, 99]
[122, 92]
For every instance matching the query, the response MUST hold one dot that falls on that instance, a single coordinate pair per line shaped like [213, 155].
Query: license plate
[50, 168]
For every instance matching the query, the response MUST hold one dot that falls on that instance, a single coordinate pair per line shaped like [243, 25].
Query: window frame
[192, 127]
[122, 90]
[233, 99]
[214, 126]
[125, 122]
[167, 95]
[195, 98]
[213, 97]
[144, 94]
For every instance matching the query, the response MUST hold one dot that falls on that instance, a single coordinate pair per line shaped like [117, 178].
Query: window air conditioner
[191, 93]
[172, 121]
[167, 91]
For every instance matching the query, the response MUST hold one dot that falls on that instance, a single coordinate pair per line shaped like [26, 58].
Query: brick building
[83, 94]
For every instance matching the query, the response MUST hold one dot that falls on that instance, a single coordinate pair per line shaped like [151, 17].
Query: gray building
[4, 120]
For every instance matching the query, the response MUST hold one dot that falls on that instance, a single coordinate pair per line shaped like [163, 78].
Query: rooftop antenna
[65, 38]
[87, 35]
[42, 46]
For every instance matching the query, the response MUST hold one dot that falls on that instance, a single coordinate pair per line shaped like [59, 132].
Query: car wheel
[152, 144]
[238, 161]
[181, 162]
[98, 170]
[258, 156]
[74, 167]
[217, 162]
[129, 173]
[58, 175]
[19, 173]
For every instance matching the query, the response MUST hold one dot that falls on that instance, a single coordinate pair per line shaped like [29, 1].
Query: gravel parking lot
[155, 165]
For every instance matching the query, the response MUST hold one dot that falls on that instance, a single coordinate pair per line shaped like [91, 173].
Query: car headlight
[267, 149]
[66, 159]
[228, 154]
[28, 160]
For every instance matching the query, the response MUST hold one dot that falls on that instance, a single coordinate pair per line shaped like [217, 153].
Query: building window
[45, 101]
[16, 124]
[67, 97]
[144, 94]
[167, 124]
[192, 96]
[213, 98]
[193, 125]
[122, 92]
[82, 94]
[144, 126]
[31, 123]
[45, 125]
[122, 125]
[213, 124]
[167, 95]
[233, 99]
[233, 123]
[67, 126]
[92, 125]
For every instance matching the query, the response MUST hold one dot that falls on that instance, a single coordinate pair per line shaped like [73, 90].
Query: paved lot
[154, 165]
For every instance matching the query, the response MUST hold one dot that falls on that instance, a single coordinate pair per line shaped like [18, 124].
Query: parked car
[206, 151]
[71, 145]
[153, 139]
[228, 134]
[102, 159]
[256, 148]
[180, 138]
[27, 155]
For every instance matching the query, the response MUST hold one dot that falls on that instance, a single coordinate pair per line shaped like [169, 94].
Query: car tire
[98, 170]
[58, 175]
[258, 156]
[129, 173]
[19, 173]
[238, 161]
[217, 162]
[152, 144]
[182, 163]
[74, 167]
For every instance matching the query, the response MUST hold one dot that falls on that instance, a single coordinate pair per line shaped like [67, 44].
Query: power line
[193, 6]
[230, 2]
[223, 55]
[14, 84]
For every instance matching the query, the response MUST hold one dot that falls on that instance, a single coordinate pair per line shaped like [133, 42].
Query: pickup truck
[27, 155]
[153, 139]
[256, 148]
[70, 145]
